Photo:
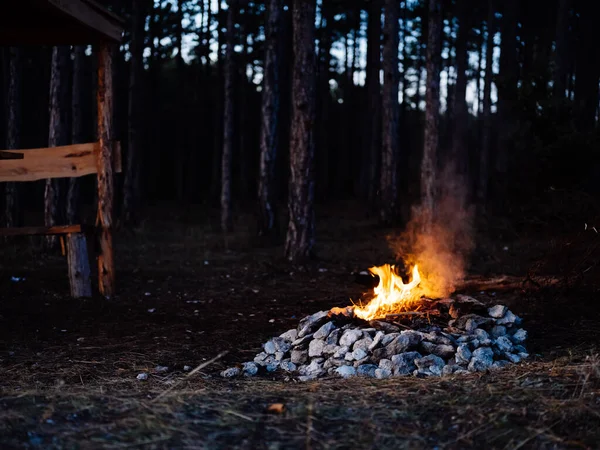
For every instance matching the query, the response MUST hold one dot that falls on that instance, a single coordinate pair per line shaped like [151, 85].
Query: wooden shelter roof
[57, 22]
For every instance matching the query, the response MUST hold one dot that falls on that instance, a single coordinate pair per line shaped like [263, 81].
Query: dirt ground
[186, 293]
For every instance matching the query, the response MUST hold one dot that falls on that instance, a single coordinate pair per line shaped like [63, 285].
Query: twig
[193, 372]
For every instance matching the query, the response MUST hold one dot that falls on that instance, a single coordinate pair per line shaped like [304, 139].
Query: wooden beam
[91, 17]
[67, 161]
[79, 265]
[40, 231]
[106, 270]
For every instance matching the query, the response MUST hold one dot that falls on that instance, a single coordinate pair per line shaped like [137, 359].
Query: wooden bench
[76, 250]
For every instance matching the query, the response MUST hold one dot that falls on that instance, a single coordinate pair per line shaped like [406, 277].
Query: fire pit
[400, 332]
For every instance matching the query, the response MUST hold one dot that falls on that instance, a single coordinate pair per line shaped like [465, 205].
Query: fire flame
[391, 294]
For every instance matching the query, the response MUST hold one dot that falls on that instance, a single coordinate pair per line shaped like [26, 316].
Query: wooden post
[106, 272]
[79, 265]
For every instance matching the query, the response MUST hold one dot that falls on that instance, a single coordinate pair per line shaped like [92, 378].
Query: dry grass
[78, 388]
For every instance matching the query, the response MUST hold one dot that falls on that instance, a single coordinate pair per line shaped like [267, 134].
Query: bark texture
[106, 272]
[391, 110]
[373, 118]
[459, 152]
[131, 192]
[486, 136]
[13, 132]
[57, 134]
[301, 226]
[432, 110]
[269, 136]
[228, 123]
[76, 128]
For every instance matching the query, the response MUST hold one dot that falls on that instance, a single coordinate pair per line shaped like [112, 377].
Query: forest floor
[68, 368]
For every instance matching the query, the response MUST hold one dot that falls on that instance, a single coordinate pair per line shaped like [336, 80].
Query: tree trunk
[560, 55]
[58, 134]
[13, 132]
[228, 123]
[459, 152]
[105, 103]
[301, 227]
[132, 175]
[390, 109]
[587, 69]
[507, 92]
[432, 112]
[269, 136]
[180, 141]
[484, 156]
[373, 119]
[76, 128]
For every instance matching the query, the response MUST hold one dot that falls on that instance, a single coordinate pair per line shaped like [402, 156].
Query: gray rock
[520, 349]
[430, 364]
[497, 365]
[463, 354]
[465, 338]
[369, 332]
[341, 352]
[360, 362]
[299, 356]
[408, 340]
[519, 336]
[376, 340]
[250, 369]
[315, 368]
[324, 331]
[386, 364]
[508, 319]
[310, 323]
[383, 373]
[450, 369]
[438, 337]
[307, 377]
[279, 356]
[366, 370]
[523, 355]
[404, 363]
[349, 356]
[503, 344]
[350, 337]
[498, 330]
[513, 358]
[302, 343]
[144, 376]
[272, 366]
[261, 358]
[269, 347]
[441, 350]
[290, 335]
[315, 348]
[330, 349]
[384, 326]
[363, 343]
[470, 322]
[230, 373]
[481, 360]
[497, 311]
[288, 366]
[334, 337]
[359, 354]
[480, 334]
[474, 344]
[346, 371]
[385, 340]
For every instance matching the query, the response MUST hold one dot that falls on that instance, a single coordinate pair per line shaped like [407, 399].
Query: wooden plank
[79, 265]
[104, 160]
[66, 161]
[84, 13]
[11, 155]
[40, 231]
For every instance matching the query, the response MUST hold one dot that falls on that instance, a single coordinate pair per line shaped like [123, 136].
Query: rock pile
[474, 339]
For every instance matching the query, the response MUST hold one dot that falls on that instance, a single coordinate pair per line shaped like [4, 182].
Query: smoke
[441, 247]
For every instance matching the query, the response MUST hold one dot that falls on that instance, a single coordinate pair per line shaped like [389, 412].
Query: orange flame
[391, 294]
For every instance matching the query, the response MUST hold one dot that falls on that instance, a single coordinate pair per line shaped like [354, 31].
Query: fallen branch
[193, 372]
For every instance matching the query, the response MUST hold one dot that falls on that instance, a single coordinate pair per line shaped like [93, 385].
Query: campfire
[399, 332]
